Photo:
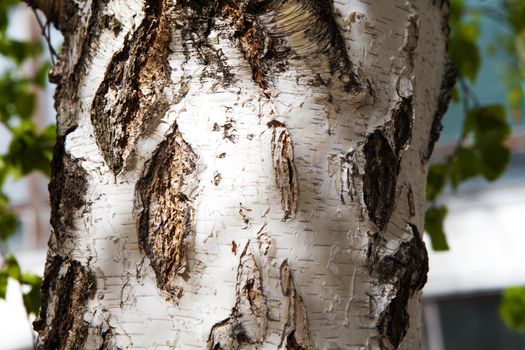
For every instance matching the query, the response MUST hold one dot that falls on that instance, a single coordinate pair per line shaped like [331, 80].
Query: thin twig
[47, 36]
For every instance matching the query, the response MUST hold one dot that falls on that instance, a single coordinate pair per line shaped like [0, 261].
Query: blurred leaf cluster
[481, 149]
[512, 309]
[30, 149]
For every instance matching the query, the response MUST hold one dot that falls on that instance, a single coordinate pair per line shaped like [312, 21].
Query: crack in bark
[66, 288]
[283, 165]
[406, 270]
[403, 117]
[248, 321]
[131, 95]
[165, 222]
[67, 189]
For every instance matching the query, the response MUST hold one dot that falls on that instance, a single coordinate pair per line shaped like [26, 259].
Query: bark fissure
[131, 95]
[66, 288]
[166, 218]
[67, 189]
[403, 117]
[380, 178]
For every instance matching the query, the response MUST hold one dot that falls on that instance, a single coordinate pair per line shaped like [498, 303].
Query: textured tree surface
[242, 174]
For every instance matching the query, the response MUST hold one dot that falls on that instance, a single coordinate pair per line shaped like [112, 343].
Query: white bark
[253, 189]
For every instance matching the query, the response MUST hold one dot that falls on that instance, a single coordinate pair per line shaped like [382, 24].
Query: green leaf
[19, 51]
[24, 103]
[436, 180]
[512, 308]
[491, 130]
[41, 76]
[464, 164]
[495, 159]
[30, 150]
[434, 220]
[3, 284]
[463, 49]
[8, 224]
[30, 279]
[11, 267]
[32, 300]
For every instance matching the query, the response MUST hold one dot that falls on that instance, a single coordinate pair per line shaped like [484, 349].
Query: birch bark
[242, 174]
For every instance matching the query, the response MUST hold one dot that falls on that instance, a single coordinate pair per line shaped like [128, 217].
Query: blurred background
[484, 226]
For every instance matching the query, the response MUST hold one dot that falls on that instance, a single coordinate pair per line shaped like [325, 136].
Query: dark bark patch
[66, 288]
[285, 173]
[132, 95]
[165, 223]
[248, 321]
[196, 20]
[407, 271]
[67, 189]
[295, 334]
[379, 182]
[448, 82]
[411, 40]
[403, 117]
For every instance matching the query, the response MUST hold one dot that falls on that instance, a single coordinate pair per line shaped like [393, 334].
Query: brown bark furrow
[67, 189]
[295, 334]
[132, 95]
[165, 222]
[65, 291]
[380, 178]
[284, 168]
[248, 322]
[406, 270]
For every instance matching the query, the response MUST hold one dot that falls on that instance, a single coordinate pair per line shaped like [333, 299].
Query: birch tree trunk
[242, 174]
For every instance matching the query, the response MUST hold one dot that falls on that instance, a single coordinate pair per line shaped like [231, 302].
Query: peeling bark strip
[448, 82]
[248, 321]
[65, 291]
[295, 335]
[407, 271]
[379, 182]
[271, 31]
[283, 165]
[67, 189]
[165, 223]
[131, 95]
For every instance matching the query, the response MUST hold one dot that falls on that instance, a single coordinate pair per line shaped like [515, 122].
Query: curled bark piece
[295, 335]
[285, 174]
[248, 322]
